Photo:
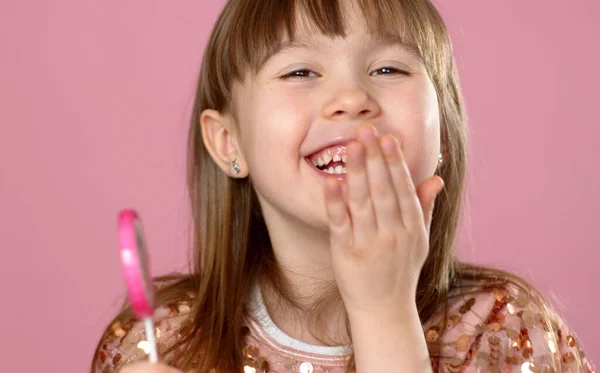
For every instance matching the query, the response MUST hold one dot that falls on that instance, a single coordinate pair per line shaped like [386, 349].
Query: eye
[388, 71]
[298, 74]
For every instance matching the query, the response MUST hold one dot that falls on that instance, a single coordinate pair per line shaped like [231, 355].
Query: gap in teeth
[323, 158]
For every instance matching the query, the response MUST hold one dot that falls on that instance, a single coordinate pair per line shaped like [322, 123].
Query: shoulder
[124, 340]
[505, 327]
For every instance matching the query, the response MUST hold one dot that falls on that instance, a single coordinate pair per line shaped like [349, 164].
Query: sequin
[528, 320]
[551, 345]
[454, 365]
[119, 333]
[250, 351]
[509, 351]
[481, 364]
[306, 367]
[467, 306]
[481, 328]
[144, 346]
[522, 300]
[494, 341]
[527, 350]
[495, 355]
[289, 363]
[102, 356]
[133, 337]
[513, 334]
[513, 360]
[525, 368]
[568, 358]
[452, 320]
[262, 363]
[500, 297]
[483, 355]
[494, 327]
[432, 334]
[130, 340]
[462, 342]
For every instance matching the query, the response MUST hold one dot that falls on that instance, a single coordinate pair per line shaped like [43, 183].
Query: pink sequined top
[498, 330]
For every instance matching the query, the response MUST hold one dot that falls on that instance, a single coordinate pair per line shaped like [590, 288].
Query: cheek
[276, 123]
[415, 119]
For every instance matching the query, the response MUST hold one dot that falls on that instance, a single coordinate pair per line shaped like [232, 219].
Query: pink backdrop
[95, 101]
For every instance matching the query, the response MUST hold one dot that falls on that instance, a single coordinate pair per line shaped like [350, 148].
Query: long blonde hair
[230, 241]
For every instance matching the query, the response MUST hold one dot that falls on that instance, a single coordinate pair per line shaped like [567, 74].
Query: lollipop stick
[149, 324]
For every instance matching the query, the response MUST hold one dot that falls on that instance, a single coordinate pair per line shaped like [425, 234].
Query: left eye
[298, 74]
[388, 71]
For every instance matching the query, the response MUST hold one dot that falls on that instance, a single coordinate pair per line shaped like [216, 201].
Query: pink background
[95, 101]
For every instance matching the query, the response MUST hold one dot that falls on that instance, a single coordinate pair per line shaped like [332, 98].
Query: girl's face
[318, 91]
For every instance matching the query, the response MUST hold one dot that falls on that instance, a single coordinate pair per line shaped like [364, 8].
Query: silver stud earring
[440, 159]
[235, 167]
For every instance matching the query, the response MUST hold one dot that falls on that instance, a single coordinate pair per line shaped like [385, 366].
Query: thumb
[427, 193]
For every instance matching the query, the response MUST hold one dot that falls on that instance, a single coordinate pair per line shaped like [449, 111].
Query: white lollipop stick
[149, 325]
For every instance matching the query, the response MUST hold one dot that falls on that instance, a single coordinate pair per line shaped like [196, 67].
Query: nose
[351, 103]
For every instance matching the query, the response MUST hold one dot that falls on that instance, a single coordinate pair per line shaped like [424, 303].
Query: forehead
[368, 40]
[308, 32]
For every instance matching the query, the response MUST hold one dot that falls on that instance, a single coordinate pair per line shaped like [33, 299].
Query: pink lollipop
[135, 263]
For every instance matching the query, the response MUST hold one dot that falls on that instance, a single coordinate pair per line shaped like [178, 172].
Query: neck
[316, 313]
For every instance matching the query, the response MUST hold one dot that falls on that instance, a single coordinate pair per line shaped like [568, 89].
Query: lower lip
[340, 177]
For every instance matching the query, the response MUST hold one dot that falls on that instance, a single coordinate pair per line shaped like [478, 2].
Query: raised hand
[379, 226]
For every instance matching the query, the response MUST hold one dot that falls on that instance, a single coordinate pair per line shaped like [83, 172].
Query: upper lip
[339, 140]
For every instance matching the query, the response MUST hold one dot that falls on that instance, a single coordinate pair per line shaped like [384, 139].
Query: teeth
[336, 171]
[335, 154]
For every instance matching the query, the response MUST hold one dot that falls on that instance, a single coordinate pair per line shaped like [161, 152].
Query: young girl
[326, 168]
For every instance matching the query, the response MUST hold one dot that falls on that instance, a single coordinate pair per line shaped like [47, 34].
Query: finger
[359, 202]
[381, 188]
[410, 208]
[428, 192]
[340, 224]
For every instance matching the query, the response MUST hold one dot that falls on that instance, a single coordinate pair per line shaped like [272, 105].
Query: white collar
[261, 315]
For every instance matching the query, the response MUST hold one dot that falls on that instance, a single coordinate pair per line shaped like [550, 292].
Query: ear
[221, 142]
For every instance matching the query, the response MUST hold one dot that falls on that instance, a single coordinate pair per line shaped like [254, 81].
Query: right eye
[298, 74]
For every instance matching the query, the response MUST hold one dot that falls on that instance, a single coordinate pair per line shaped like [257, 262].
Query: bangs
[258, 28]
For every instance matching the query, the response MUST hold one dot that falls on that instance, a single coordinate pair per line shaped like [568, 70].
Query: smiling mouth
[334, 168]
[331, 160]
